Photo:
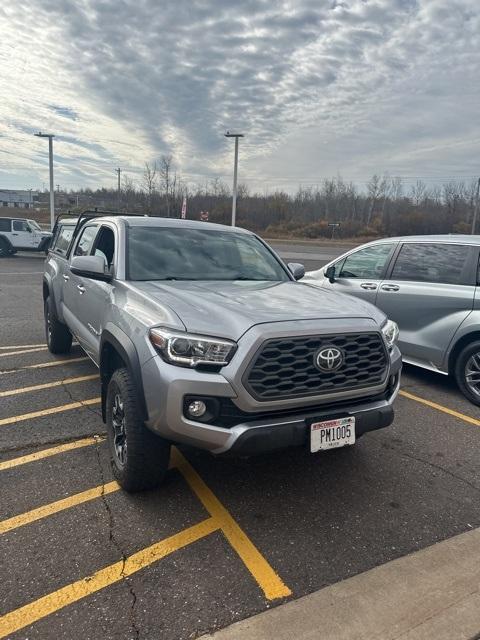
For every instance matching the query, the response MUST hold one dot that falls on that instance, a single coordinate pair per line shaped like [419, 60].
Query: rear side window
[431, 262]
[5, 224]
[62, 240]
[85, 244]
[369, 262]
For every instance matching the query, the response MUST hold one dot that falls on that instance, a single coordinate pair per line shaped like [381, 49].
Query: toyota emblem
[329, 359]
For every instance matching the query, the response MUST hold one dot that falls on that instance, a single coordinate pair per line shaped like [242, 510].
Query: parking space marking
[440, 407]
[42, 365]
[57, 506]
[47, 385]
[264, 575]
[38, 609]
[50, 411]
[51, 451]
[17, 353]
[22, 346]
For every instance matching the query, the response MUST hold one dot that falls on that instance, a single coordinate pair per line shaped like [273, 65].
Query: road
[169, 568]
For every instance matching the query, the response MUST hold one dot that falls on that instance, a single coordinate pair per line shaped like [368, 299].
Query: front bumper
[166, 387]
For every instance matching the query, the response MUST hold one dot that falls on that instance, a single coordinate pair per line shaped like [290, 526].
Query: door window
[432, 262]
[4, 224]
[62, 240]
[21, 225]
[105, 245]
[369, 262]
[85, 243]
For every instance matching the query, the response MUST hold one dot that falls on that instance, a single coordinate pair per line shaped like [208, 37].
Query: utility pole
[235, 172]
[118, 172]
[475, 211]
[50, 137]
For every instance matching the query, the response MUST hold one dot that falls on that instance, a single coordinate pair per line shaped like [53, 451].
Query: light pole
[50, 137]
[235, 171]
[475, 211]
[119, 192]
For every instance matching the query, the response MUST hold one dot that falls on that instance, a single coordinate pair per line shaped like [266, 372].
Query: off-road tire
[5, 249]
[146, 456]
[59, 338]
[460, 370]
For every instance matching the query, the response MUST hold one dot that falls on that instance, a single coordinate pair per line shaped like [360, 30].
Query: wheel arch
[462, 342]
[117, 350]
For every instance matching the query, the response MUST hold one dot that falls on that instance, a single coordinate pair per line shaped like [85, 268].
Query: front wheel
[467, 372]
[139, 458]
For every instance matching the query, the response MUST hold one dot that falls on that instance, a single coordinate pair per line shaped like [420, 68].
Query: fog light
[197, 408]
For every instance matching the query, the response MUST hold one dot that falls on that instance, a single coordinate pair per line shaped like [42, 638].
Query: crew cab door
[92, 298]
[74, 288]
[360, 272]
[22, 236]
[429, 292]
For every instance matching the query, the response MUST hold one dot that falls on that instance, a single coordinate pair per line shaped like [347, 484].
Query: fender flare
[125, 348]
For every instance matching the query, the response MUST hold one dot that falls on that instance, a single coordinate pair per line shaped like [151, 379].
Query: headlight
[187, 350]
[390, 333]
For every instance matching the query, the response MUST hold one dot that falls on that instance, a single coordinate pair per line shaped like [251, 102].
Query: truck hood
[229, 309]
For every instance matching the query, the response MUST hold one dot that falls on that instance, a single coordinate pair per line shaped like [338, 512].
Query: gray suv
[204, 337]
[430, 285]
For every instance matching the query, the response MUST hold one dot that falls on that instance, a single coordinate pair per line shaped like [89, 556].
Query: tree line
[385, 207]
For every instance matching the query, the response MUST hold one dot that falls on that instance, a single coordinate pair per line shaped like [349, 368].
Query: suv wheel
[467, 372]
[59, 338]
[139, 458]
[4, 248]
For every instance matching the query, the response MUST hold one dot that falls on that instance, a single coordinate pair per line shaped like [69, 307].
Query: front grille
[285, 367]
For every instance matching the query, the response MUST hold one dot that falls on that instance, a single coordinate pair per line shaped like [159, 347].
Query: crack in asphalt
[116, 544]
[434, 466]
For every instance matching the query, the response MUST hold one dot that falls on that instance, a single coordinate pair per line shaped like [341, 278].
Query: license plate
[330, 434]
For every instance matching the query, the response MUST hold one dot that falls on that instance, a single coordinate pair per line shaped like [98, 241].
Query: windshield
[162, 253]
[34, 225]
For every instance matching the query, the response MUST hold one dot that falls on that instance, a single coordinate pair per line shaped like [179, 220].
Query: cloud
[317, 86]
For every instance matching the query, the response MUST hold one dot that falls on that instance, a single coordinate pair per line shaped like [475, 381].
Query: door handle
[66, 278]
[14, 234]
[81, 288]
[390, 287]
[370, 286]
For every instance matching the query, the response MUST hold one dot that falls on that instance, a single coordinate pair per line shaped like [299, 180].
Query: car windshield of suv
[34, 225]
[163, 253]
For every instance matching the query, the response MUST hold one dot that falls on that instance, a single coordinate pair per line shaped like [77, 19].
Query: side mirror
[330, 273]
[90, 267]
[296, 269]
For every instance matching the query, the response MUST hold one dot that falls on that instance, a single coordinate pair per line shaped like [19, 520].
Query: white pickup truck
[21, 234]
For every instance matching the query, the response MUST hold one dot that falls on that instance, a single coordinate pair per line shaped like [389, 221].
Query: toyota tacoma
[204, 337]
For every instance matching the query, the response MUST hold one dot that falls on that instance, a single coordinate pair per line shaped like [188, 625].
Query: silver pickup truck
[204, 337]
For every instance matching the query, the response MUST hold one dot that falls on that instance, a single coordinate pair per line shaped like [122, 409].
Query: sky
[319, 88]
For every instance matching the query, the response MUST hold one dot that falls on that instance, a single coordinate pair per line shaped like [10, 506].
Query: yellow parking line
[17, 353]
[57, 506]
[52, 451]
[22, 346]
[38, 609]
[43, 365]
[440, 407]
[50, 411]
[47, 385]
[265, 576]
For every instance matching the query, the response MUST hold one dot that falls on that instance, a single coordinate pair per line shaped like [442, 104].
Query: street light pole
[475, 211]
[119, 192]
[50, 137]
[235, 173]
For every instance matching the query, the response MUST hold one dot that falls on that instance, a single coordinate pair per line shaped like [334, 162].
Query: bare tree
[150, 180]
[165, 173]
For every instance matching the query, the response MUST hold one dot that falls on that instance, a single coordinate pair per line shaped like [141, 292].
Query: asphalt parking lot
[223, 539]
